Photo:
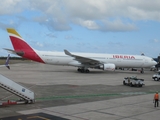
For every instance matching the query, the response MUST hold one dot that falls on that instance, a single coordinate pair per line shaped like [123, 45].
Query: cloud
[155, 41]
[69, 37]
[51, 35]
[39, 44]
[117, 26]
[53, 23]
[13, 6]
[35, 44]
[103, 15]
[89, 24]
[11, 24]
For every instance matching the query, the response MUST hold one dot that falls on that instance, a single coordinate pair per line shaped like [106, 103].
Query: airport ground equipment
[156, 76]
[133, 81]
[9, 102]
[26, 95]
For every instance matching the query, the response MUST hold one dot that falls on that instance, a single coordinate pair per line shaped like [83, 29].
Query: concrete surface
[62, 91]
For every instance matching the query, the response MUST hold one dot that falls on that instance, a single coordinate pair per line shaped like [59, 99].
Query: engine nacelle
[109, 67]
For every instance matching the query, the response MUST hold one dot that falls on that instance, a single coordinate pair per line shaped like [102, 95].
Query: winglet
[7, 62]
[67, 52]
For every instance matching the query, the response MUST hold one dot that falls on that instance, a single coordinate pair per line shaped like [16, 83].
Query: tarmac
[62, 93]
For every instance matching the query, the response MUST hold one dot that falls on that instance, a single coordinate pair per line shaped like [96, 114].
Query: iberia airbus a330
[83, 61]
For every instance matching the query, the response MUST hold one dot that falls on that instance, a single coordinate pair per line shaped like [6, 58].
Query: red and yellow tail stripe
[20, 45]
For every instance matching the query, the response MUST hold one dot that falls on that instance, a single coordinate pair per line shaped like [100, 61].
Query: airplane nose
[154, 62]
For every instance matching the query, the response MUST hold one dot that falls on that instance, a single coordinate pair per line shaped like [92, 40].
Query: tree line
[13, 58]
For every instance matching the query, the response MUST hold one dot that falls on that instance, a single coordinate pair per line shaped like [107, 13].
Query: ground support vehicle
[156, 77]
[25, 94]
[133, 81]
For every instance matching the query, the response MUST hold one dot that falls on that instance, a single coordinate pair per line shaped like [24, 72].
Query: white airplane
[83, 61]
[6, 63]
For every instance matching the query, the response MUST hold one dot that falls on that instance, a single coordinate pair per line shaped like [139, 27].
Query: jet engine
[109, 67]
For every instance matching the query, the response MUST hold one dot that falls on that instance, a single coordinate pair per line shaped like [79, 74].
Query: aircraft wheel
[82, 70]
[79, 70]
[131, 84]
[87, 71]
[124, 83]
[156, 79]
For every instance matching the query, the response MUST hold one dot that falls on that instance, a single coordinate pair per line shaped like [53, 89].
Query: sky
[95, 26]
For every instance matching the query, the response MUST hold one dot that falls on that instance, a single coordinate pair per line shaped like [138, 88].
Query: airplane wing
[83, 60]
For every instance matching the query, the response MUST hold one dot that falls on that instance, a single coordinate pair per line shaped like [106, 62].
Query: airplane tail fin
[18, 42]
[21, 47]
[7, 62]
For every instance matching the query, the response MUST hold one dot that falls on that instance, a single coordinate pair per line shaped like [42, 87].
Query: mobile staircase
[26, 95]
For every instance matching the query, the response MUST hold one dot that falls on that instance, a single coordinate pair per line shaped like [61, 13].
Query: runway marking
[42, 118]
[35, 116]
[76, 96]
[92, 95]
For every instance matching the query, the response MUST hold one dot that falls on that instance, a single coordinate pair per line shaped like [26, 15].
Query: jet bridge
[26, 95]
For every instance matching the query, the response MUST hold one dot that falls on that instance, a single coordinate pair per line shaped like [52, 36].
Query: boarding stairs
[24, 93]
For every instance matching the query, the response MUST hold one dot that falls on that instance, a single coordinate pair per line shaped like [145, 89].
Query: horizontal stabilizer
[10, 51]
[21, 53]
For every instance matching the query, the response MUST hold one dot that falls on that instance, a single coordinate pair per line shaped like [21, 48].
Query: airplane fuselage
[120, 60]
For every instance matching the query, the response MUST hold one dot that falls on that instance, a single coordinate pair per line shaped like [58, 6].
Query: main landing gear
[142, 71]
[82, 70]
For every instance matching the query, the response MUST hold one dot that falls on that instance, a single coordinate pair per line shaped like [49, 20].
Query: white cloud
[89, 24]
[69, 37]
[4, 25]
[60, 14]
[39, 44]
[156, 41]
[51, 35]
[13, 6]
[117, 26]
